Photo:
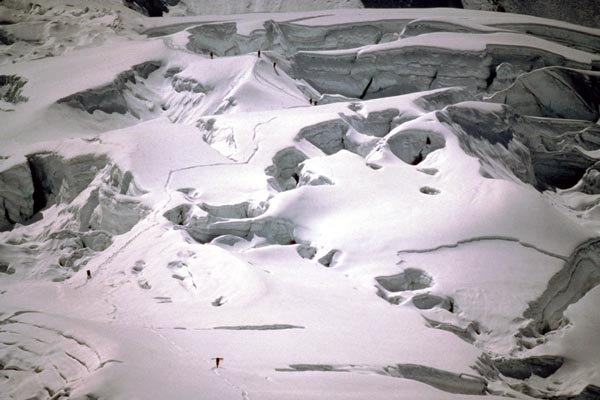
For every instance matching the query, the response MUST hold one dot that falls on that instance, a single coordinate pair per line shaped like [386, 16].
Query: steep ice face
[579, 275]
[412, 146]
[554, 93]
[42, 181]
[112, 98]
[419, 63]
[204, 7]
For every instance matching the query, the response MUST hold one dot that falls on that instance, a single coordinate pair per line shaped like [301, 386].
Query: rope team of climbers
[259, 53]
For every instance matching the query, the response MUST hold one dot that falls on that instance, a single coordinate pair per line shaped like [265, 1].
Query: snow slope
[381, 204]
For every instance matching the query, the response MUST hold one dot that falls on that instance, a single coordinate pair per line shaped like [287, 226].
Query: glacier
[342, 203]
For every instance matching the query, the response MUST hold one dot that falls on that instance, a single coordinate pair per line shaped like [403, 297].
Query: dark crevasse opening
[41, 191]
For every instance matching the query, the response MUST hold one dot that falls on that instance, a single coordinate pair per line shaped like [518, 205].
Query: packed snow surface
[340, 204]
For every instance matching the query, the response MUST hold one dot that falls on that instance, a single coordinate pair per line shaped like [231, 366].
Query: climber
[310, 101]
[259, 54]
[218, 360]
[275, 67]
[89, 274]
[211, 55]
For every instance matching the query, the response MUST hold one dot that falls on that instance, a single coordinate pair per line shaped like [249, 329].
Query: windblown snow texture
[350, 203]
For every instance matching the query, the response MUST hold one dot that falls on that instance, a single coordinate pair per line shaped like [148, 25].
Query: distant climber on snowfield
[310, 101]
[259, 54]
[275, 67]
[89, 274]
[211, 55]
[218, 360]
